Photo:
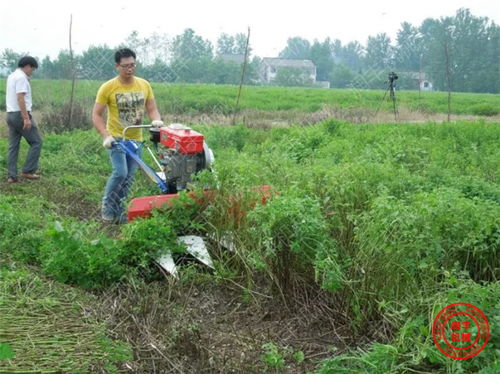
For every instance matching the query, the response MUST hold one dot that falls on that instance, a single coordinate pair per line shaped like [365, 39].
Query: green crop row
[221, 99]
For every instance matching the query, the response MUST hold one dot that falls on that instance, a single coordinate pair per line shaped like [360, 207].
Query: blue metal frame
[130, 147]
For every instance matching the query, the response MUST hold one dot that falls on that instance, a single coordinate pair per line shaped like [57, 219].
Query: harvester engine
[179, 153]
[182, 152]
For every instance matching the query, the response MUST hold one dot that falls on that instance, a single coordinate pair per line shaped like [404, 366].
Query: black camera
[392, 76]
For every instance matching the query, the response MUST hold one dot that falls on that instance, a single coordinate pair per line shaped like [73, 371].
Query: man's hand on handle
[157, 123]
[108, 142]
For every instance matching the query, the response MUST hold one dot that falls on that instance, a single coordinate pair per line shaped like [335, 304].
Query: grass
[372, 229]
[47, 328]
[221, 99]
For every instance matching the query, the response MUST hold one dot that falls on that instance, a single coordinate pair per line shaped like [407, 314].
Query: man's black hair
[123, 53]
[27, 60]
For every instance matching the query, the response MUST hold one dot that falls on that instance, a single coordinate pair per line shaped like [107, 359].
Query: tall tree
[240, 43]
[440, 55]
[225, 44]
[350, 55]
[97, 62]
[492, 75]
[341, 76]
[322, 57]
[46, 70]
[151, 49]
[470, 45]
[296, 48]
[158, 71]
[379, 53]
[231, 44]
[191, 57]
[189, 46]
[59, 68]
[408, 53]
[9, 59]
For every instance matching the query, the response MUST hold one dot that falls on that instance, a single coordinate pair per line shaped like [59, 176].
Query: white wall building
[270, 66]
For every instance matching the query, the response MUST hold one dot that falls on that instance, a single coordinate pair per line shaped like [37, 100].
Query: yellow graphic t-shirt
[126, 105]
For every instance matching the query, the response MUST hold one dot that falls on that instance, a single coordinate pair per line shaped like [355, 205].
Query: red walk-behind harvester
[179, 152]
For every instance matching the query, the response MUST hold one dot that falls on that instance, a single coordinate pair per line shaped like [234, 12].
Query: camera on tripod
[392, 76]
[392, 92]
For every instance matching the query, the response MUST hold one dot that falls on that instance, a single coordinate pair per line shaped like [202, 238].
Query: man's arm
[24, 112]
[153, 113]
[98, 119]
[100, 125]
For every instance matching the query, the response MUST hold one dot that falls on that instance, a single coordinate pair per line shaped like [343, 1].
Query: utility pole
[73, 74]
[242, 76]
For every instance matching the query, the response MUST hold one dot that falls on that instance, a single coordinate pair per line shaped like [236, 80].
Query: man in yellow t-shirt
[128, 98]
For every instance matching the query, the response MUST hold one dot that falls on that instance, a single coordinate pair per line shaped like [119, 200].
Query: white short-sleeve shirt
[17, 82]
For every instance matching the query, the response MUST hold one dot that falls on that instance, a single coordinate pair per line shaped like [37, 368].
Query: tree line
[457, 53]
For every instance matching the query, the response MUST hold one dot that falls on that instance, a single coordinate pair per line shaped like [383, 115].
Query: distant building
[425, 85]
[270, 67]
[420, 79]
[322, 84]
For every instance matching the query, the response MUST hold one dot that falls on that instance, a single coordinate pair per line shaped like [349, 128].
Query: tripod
[392, 94]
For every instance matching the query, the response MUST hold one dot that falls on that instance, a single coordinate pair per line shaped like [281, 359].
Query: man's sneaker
[108, 219]
[122, 219]
[30, 176]
[11, 180]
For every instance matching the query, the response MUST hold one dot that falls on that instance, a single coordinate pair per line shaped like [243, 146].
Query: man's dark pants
[32, 136]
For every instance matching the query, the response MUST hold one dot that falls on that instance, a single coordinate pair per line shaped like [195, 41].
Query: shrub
[346, 191]
[228, 137]
[484, 110]
[57, 118]
[83, 256]
[411, 241]
[70, 257]
[289, 237]
[144, 240]
[334, 127]
[423, 107]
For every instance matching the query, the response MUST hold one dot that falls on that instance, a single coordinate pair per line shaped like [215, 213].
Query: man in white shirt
[20, 122]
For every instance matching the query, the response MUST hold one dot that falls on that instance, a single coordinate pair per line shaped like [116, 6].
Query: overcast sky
[41, 27]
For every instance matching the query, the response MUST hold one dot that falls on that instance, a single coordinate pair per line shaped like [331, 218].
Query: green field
[221, 99]
[371, 230]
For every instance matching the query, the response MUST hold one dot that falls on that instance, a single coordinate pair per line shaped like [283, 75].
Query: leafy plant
[289, 233]
[272, 357]
[70, 257]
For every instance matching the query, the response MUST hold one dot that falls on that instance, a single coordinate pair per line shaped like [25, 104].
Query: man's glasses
[128, 66]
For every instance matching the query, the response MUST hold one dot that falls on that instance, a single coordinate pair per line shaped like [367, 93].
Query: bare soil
[204, 327]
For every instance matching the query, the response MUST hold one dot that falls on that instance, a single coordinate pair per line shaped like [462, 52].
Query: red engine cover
[185, 141]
